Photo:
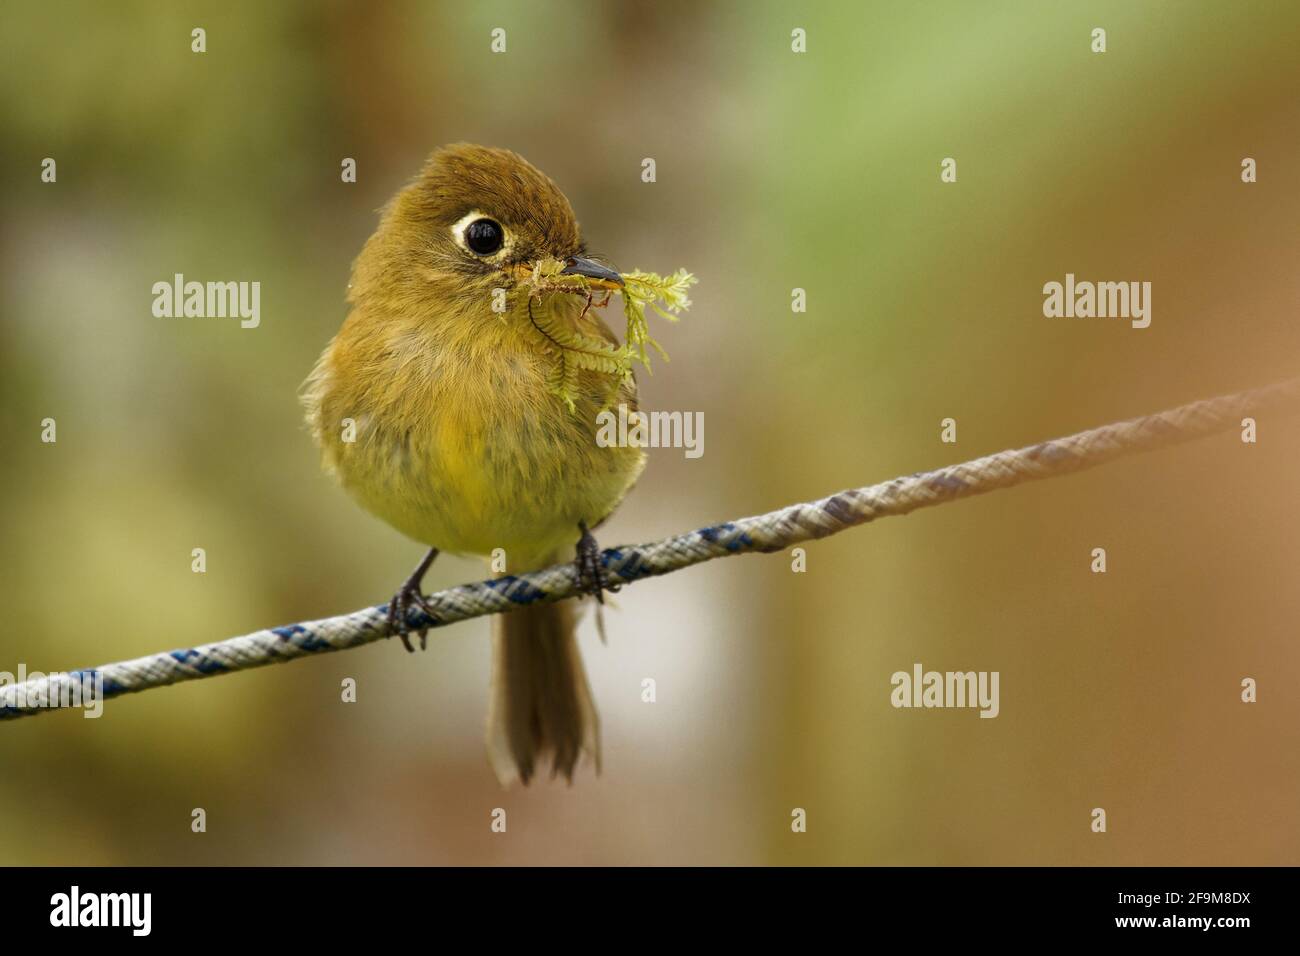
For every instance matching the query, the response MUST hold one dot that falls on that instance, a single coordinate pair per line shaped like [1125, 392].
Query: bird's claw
[591, 570]
[411, 595]
[399, 608]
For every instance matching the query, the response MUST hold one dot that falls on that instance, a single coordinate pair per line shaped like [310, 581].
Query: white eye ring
[458, 233]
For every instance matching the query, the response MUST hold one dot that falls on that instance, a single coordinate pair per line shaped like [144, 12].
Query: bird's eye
[484, 236]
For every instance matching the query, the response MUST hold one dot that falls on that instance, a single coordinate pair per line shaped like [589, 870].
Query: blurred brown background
[775, 170]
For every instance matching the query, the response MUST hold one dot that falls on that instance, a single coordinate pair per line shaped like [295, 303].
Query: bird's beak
[578, 266]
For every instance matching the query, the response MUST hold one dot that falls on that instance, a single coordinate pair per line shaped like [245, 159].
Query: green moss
[574, 350]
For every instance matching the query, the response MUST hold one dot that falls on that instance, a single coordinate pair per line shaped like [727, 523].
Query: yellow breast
[446, 426]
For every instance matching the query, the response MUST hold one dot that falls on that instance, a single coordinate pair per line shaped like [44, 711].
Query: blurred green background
[775, 170]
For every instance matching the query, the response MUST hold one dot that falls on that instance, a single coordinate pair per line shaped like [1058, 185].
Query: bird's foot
[591, 572]
[411, 595]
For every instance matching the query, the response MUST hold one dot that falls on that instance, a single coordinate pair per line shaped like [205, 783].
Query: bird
[435, 409]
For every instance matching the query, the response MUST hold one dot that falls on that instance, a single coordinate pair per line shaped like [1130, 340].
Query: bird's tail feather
[541, 703]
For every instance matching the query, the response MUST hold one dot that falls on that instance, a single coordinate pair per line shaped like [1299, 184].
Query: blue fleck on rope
[774, 531]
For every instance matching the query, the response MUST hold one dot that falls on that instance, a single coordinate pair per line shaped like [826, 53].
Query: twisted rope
[773, 531]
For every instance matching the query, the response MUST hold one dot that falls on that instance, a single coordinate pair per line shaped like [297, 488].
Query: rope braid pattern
[774, 531]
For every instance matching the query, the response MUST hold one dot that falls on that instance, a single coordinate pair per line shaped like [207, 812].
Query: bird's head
[475, 219]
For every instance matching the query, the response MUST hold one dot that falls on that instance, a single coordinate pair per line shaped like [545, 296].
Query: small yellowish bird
[437, 411]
